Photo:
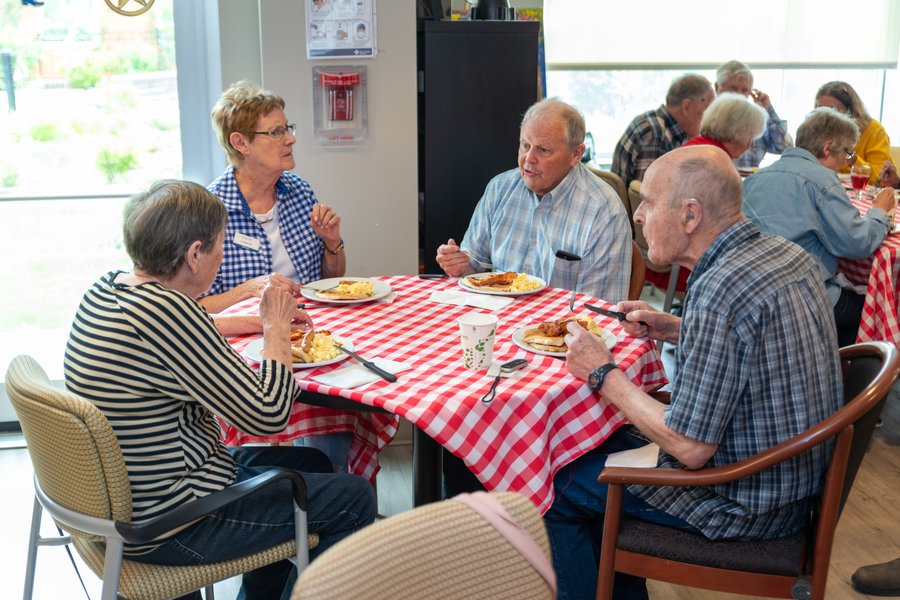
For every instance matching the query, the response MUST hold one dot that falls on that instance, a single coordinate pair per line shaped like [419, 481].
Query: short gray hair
[159, 225]
[731, 118]
[823, 125]
[733, 68]
[689, 86]
[554, 108]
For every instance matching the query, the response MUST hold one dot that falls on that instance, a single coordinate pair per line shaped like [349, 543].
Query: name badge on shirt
[245, 241]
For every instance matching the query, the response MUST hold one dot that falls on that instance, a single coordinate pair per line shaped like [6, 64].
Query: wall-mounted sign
[340, 28]
[129, 8]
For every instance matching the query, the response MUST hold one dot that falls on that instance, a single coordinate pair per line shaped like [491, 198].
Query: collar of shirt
[562, 189]
[725, 241]
[235, 202]
[672, 125]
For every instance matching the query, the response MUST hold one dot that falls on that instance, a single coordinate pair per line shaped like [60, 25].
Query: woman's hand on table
[642, 320]
[585, 351]
[254, 287]
[885, 200]
[302, 321]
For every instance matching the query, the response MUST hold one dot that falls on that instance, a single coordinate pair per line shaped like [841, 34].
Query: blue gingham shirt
[649, 136]
[240, 263]
[802, 201]
[757, 364]
[515, 231]
[772, 140]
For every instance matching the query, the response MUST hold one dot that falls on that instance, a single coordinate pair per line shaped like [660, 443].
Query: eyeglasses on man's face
[278, 132]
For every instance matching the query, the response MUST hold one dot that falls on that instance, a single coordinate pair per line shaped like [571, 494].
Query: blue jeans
[335, 445]
[338, 506]
[575, 522]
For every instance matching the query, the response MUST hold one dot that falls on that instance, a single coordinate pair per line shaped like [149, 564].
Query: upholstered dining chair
[634, 200]
[81, 481]
[616, 183]
[443, 550]
[791, 567]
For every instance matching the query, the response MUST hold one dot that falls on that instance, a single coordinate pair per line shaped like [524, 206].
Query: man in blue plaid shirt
[653, 133]
[757, 363]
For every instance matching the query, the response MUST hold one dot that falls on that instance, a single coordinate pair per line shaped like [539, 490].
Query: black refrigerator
[476, 79]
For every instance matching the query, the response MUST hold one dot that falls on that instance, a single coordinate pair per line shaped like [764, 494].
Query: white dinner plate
[466, 286]
[518, 338]
[253, 351]
[382, 289]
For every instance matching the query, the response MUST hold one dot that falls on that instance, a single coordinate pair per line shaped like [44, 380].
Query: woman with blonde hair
[873, 147]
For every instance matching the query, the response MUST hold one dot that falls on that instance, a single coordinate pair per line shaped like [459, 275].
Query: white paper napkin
[355, 374]
[461, 298]
[644, 457]
[389, 299]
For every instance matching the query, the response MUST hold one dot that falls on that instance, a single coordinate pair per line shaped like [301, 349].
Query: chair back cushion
[616, 183]
[76, 457]
[441, 550]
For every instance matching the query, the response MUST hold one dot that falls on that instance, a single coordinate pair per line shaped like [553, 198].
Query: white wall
[372, 187]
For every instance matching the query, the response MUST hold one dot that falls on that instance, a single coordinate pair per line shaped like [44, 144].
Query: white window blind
[626, 34]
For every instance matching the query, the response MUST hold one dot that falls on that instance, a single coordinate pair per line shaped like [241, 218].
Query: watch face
[594, 380]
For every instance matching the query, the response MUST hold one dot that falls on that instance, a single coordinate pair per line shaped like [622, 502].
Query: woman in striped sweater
[151, 359]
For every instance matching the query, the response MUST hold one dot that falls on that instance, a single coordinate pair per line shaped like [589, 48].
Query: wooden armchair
[81, 481]
[791, 567]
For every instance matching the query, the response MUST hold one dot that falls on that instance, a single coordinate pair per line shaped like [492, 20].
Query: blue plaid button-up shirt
[648, 137]
[515, 231]
[240, 263]
[757, 364]
[772, 140]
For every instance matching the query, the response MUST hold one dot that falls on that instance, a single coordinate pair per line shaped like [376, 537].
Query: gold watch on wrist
[336, 251]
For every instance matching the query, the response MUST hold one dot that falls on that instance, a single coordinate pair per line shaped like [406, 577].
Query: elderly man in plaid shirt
[757, 363]
[653, 133]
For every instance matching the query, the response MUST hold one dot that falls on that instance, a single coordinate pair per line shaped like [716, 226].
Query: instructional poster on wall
[340, 28]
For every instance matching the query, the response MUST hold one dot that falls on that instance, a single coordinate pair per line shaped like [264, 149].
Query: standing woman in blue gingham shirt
[277, 232]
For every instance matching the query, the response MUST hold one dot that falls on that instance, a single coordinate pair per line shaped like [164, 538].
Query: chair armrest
[192, 511]
[663, 397]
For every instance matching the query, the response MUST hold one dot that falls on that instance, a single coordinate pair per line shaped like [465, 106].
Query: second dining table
[880, 276]
[540, 420]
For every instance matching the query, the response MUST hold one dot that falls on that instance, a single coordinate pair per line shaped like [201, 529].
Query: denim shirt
[800, 200]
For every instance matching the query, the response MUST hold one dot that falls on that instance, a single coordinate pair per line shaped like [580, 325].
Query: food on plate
[313, 346]
[551, 336]
[349, 290]
[504, 282]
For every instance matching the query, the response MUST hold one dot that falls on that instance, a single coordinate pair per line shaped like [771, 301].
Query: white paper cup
[477, 333]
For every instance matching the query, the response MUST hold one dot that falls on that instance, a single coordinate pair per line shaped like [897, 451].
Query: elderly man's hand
[452, 260]
[761, 98]
[585, 351]
[642, 320]
[888, 175]
[326, 224]
[302, 320]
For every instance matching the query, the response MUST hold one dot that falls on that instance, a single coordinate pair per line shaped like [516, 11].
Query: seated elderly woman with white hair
[732, 124]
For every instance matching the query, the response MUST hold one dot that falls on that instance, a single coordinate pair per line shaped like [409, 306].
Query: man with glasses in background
[735, 77]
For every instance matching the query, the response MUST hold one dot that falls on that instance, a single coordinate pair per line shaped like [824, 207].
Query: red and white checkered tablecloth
[879, 274]
[538, 422]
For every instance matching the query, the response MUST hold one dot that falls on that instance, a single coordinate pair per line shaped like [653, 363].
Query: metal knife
[369, 364]
[615, 314]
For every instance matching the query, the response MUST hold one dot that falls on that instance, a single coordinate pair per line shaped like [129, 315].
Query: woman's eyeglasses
[278, 132]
